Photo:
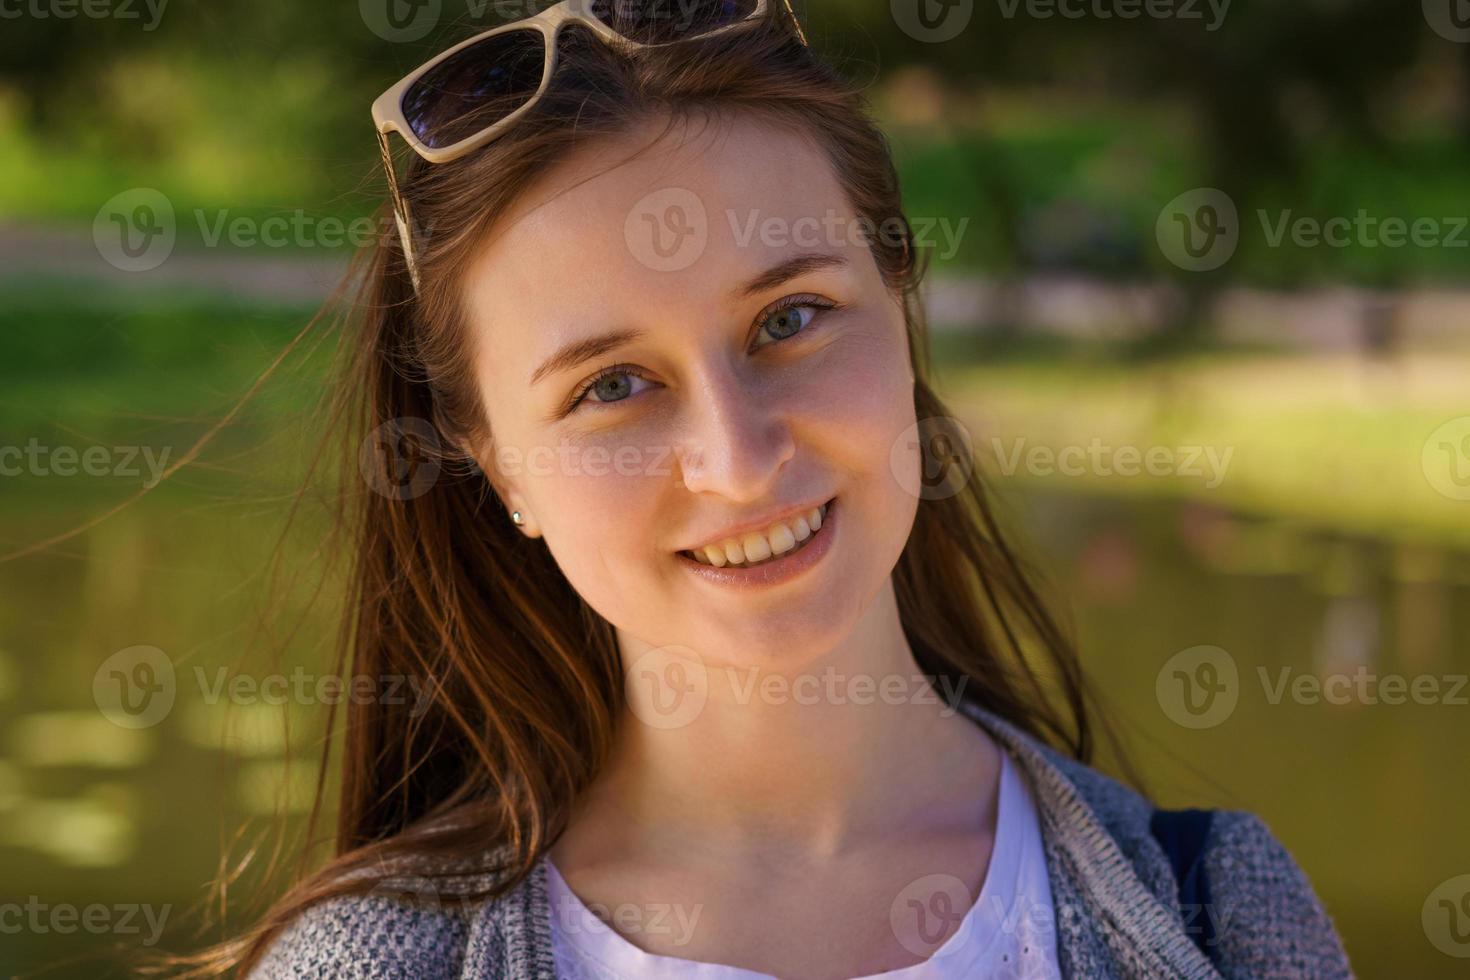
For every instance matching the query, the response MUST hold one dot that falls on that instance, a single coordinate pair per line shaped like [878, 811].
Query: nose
[737, 439]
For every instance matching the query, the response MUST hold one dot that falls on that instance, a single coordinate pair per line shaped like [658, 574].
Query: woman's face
[679, 353]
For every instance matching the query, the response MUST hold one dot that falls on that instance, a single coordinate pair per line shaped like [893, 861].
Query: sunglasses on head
[464, 97]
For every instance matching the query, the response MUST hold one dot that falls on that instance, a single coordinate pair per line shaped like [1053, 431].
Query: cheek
[856, 400]
[862, 417]
[597, 505]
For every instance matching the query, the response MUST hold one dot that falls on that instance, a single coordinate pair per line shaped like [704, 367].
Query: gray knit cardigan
[1117, 911]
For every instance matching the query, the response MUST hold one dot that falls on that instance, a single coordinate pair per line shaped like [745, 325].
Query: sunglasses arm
[400, 212]
[795, 23]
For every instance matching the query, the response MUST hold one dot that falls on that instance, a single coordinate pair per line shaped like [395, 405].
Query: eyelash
[786, 303]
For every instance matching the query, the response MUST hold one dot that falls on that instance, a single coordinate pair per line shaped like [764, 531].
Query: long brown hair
[525, 678]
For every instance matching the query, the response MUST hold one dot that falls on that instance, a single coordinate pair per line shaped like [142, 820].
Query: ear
[505, 480]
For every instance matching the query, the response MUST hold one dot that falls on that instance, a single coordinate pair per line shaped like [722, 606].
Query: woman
[725, 650]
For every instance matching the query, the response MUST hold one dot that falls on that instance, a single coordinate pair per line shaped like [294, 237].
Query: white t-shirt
[1008, 933]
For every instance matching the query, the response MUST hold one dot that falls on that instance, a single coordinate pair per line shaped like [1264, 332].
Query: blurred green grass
[1038, 185]
[91, 358]
[1333, 440]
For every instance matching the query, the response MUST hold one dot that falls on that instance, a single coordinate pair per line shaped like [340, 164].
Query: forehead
[680, 217]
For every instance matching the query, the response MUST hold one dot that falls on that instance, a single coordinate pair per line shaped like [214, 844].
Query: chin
[789, 640]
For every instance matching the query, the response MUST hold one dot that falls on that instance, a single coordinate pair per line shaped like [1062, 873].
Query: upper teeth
[757, 546]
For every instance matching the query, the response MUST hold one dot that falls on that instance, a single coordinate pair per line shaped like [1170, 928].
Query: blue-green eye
[792, 318]
[612, 387]
[782, 320]
[611, 384]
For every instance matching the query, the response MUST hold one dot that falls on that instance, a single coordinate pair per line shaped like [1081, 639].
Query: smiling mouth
[780, 539]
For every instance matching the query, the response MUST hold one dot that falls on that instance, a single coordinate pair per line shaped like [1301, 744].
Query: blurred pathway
[35, 255]
[1331, 318]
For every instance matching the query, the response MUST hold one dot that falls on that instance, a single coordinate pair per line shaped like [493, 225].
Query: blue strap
[1182, 834]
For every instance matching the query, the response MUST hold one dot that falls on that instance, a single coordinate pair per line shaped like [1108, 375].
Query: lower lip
[782, 569]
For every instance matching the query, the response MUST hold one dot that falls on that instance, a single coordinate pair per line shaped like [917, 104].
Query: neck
[852, 745]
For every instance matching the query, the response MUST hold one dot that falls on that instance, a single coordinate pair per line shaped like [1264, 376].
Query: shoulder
[1124, 815]
[417, 922]
[1263, 902]
[1266, 917]
[367, 937]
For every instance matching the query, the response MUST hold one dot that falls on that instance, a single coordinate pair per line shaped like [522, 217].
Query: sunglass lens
[665, 21]
[469, 91]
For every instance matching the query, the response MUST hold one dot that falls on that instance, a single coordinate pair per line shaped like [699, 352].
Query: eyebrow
[572, 353]
[791, 268]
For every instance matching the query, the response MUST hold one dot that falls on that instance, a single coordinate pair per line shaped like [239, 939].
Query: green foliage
[1057, 139]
